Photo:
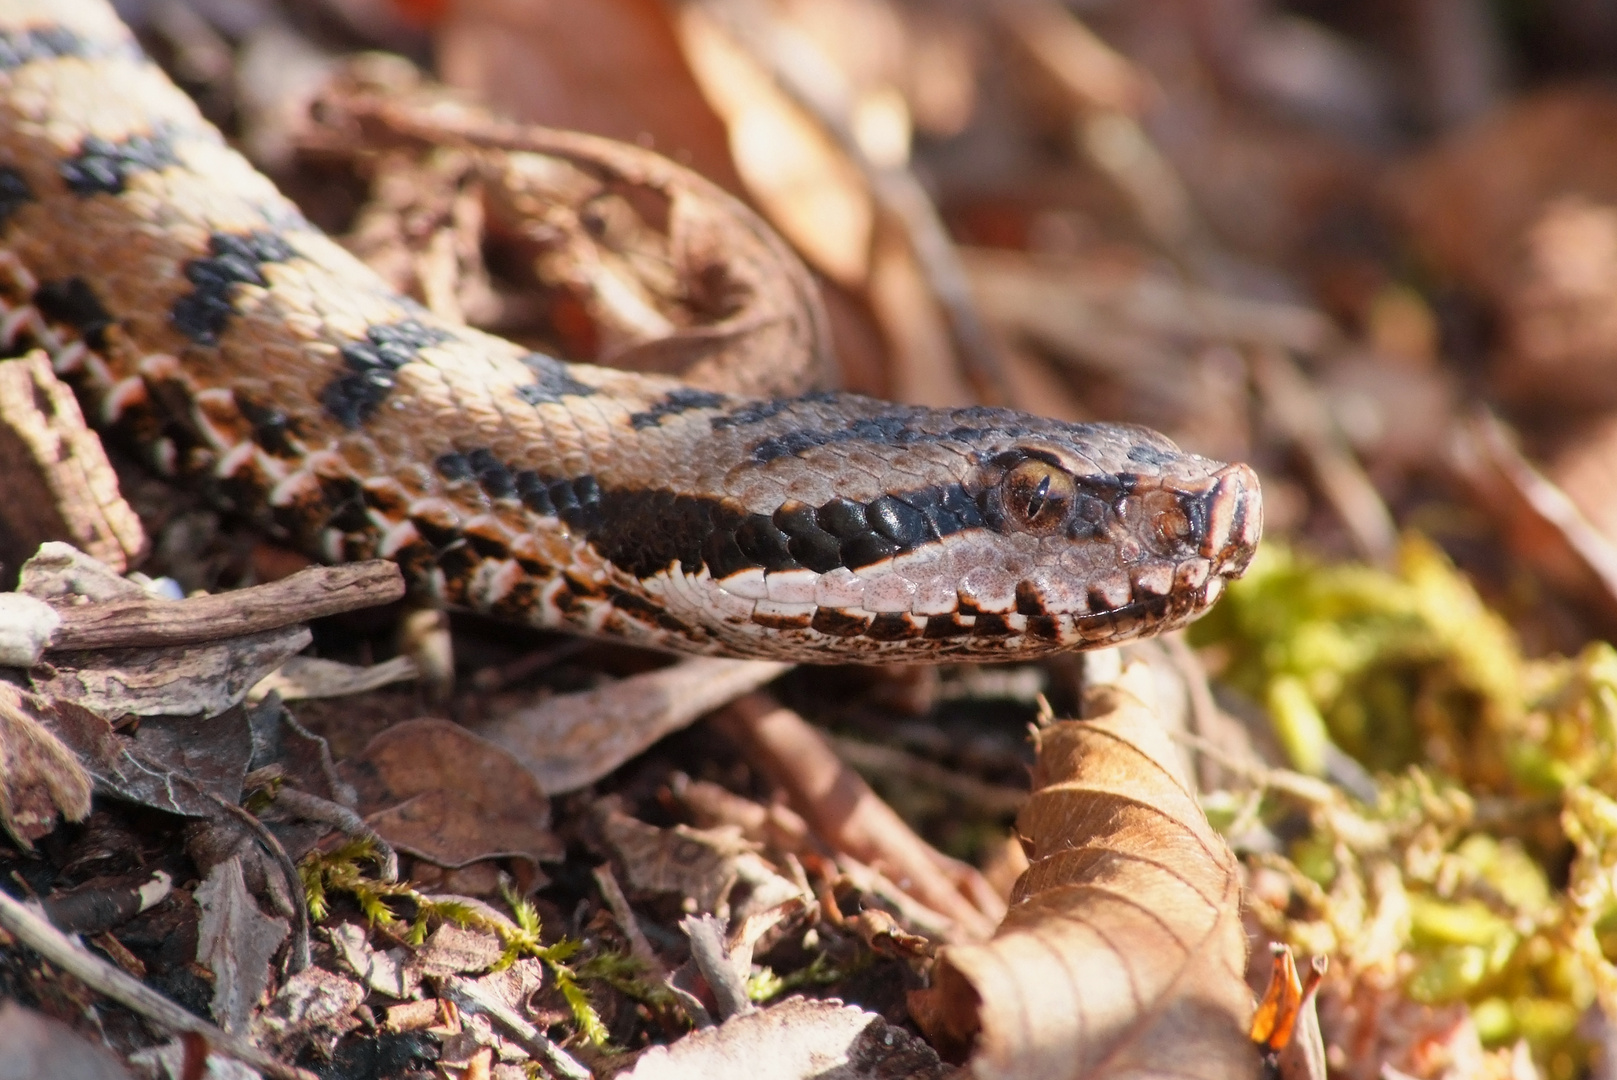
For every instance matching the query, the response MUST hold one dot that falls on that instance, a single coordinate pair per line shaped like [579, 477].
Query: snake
[196, 310]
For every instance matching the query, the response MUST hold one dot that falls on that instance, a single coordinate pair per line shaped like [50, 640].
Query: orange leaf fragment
[1123, 951]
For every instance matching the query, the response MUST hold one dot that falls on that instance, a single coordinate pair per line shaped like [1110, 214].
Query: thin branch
[308, 594]
[102, 976]
[471, 997]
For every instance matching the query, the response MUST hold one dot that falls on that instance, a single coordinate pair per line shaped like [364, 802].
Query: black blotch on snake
[19, 47]
[103, 166]
[233, 259]
[353, 398]
[14, 193]
[676, 402]
[73, 302]
[551, 381]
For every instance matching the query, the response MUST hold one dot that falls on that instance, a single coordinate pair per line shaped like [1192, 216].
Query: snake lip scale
[197, 312]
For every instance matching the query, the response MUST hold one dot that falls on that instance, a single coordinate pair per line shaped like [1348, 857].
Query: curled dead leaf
[1123, 951]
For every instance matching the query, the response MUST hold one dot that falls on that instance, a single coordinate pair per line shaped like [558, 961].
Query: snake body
[190, 303]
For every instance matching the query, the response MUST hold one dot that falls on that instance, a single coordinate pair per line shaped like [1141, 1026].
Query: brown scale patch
[416, 560]
[991, 625]
[834, 623]
[531, 565]
[246, 486]
[583, 587]
[894, 626]
[387, 497]
[488, 542]
[776, 621]
[1029, 600]
[519, 602]
[220, 413]
[669, 622]
[1044, 627]
[437, 523]
[458, 561]
[1097, 626]
[298, 514]
[344, 504]
[1125, 621]
[939, 627]
[359, 545]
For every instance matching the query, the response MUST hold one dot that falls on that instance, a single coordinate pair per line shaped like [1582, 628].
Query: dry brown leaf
[121, 767]
[812, 193]
[313, 1004]
[817, 126]
[452, 950]
[392, 972]
[39, 776]
[1123, 953]
[569, 740]
[435, 790]
[612, 67]
[236, 941]
[304, 677]
[698, 865]
[185, 680]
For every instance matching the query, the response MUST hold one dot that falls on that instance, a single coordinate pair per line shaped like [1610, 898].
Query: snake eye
[1037, 496]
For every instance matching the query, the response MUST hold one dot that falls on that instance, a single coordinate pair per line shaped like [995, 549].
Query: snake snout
[1234, 520]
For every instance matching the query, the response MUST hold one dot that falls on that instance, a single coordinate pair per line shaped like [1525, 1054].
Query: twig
[641, 949]
[102, 976]
[494, 678]
[1540, 523]
[472, 998]
[313, 808]
[308, 594]
[852, 818]
[612, 893]
[1093, 73]
[298, 952]
[713, 960]
[1305, 789]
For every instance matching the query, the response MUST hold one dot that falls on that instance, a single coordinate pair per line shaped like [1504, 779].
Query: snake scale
[192, 305]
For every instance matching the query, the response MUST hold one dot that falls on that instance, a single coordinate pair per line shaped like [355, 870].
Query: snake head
[859, 530]
[1099, 535]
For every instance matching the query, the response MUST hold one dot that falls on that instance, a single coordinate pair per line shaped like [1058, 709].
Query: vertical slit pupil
[1035, 502]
